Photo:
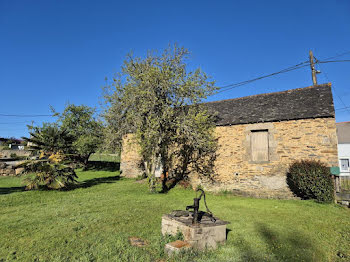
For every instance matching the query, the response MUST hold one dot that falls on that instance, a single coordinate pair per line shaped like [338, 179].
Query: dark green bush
[13, 155]
[311, 179]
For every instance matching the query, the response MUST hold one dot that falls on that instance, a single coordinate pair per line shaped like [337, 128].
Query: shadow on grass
[227, 232]
[295, 246]
[102, 166]
[94, 182]
[83, 184]
[9, 190]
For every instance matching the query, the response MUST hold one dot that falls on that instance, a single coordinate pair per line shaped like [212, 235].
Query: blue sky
[54, 52]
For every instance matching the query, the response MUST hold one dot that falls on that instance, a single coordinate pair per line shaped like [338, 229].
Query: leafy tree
[157, 98]
[86, 131]
[194, 147]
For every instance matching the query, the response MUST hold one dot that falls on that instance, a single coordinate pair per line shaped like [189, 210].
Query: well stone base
[206, 234]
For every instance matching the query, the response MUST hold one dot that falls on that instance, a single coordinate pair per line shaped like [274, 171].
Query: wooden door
[260, 145]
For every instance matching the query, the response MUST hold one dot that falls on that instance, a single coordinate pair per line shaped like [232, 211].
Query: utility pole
[313, 70]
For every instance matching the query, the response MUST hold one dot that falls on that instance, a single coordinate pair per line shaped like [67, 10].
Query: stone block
[345, 202]
[176, 247]
[19, 171]
[200, 236]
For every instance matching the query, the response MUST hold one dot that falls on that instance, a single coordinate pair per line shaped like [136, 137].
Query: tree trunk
[150, 172]
[165, 176]
[164, 185]
[164, 160]
[86, 161]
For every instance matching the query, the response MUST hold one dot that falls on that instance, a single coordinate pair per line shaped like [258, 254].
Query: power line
[298, 66]
[32, 115]
[332, 57]
[343, 108]
[10, 115]
[231, 86]
[341, 100]
[286, 69]
[332, 61]
[10, 123]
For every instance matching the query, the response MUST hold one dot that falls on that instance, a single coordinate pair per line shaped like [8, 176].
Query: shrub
[13, 155]
[311, 179]
[48, 174]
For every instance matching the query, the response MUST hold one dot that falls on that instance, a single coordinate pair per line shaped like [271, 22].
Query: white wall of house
[344, 159]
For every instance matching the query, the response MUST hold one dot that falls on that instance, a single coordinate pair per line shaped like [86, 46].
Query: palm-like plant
[49, 139]
[48, 174]
[51, 173]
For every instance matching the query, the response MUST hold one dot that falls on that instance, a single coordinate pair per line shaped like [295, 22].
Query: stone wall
[6, 153]
[11, 168]
[235, 170]
[130, 159]
[288, 141]
[6, 170]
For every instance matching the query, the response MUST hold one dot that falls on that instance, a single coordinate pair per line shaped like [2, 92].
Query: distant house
[260, 136]
[16, 144]
[16, 147]
[343, 132]
[12, 143]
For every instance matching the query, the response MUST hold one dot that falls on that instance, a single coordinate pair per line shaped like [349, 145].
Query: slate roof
[343, 132]
[301, 103]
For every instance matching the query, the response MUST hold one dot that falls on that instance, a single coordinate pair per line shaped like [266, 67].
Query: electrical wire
[300, 65]
[231, 86]
[341, 100]
[343, 108]
[332, 57]
[14, 115]
[332, 61]
[10, 123]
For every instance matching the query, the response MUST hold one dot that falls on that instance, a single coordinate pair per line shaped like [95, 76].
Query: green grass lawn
[94, 222]
[105, 157]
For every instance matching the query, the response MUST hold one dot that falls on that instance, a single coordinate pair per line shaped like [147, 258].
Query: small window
[259, 145]
[344, 165]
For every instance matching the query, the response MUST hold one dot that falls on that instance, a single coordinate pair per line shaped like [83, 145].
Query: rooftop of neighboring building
[343, 132]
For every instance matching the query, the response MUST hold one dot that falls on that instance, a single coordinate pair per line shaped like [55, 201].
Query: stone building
[260, 136]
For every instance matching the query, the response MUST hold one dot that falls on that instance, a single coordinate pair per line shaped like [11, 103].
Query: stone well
[206, 234]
